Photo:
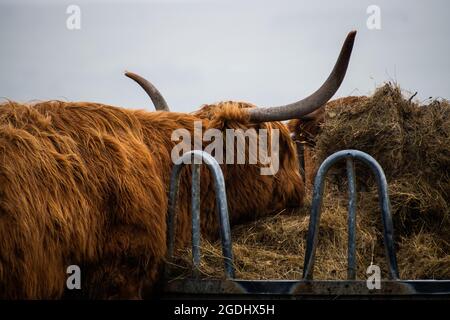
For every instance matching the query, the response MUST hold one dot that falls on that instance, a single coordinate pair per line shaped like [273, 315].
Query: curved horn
[314, 101]
[156, 96]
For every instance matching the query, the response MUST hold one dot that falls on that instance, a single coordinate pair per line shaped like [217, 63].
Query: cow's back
[77, 186]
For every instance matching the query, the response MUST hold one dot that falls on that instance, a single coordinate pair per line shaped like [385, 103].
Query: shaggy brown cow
[86, 184]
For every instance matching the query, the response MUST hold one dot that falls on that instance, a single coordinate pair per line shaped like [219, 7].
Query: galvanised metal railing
[349, 156]
[196, 157]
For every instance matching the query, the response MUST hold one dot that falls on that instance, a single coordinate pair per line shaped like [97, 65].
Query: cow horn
[156, 96]
[314, 101]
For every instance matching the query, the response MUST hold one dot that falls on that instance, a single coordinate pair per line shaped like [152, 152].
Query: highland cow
[87, 184]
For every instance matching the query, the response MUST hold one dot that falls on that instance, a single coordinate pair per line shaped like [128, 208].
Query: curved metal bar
[195, 211]
[317, 204]
[222, 208]
[351, 269]
[172, 208]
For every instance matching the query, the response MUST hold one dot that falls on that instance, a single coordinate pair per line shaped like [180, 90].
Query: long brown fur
[87, 184]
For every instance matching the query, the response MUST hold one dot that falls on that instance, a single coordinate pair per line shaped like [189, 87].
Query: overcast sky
[198, 51]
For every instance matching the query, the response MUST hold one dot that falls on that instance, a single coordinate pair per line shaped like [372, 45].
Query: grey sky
[195, 52]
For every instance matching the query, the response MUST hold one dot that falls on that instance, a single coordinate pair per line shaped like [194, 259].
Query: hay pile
[412, 144]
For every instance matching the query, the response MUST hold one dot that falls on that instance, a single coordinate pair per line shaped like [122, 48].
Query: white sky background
[196, 52]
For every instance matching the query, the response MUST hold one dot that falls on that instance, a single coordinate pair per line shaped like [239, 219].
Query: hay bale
[412, 144]
[373, 125]
[424, 256]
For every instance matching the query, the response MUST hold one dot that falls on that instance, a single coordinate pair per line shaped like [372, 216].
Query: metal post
[221, 203]
[351, 268]
[195, 217]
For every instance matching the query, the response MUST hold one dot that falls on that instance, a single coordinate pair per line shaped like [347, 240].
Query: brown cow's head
[251, 193]
[305, 130]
